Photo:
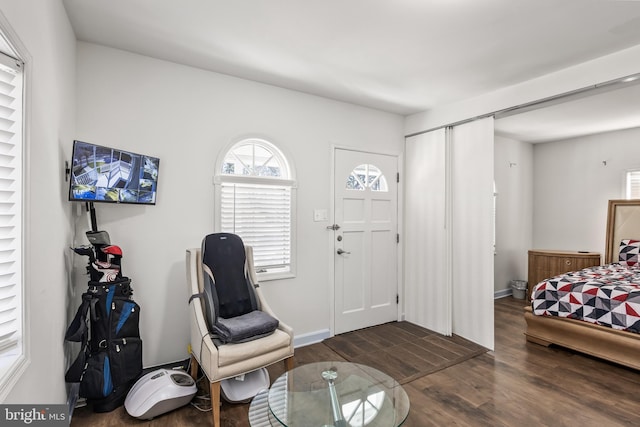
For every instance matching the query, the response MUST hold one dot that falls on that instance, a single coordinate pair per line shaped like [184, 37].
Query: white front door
[365, 244]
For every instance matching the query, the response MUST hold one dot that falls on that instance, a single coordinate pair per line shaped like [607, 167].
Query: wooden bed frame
[623, 222]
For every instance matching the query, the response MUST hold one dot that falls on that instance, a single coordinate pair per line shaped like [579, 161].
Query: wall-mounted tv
[104, 174]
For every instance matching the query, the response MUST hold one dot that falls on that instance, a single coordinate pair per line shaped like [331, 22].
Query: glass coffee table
[331, 394]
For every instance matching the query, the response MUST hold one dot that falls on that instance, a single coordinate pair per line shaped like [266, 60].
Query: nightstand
[544, 264]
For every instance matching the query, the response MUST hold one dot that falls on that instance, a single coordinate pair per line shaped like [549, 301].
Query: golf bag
[107, 326]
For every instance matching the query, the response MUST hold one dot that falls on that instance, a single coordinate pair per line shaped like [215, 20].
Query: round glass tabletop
[337, 394]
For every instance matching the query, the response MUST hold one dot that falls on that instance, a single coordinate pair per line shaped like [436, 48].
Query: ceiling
[595, 111]
[400, 56]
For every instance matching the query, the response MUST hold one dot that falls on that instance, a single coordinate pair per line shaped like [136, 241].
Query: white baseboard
[310, 338]
[502, 293]
[318, 336]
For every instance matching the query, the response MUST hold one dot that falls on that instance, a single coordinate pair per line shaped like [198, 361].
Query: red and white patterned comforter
[606, 295]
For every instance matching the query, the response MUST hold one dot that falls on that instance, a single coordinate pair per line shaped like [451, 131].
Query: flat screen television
[104, 174]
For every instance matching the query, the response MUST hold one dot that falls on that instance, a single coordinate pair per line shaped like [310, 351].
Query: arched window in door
[367, 176]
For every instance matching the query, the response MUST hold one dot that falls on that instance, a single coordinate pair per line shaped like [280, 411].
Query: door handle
[340, 252]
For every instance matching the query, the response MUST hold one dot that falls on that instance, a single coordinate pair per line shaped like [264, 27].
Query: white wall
[572, 187]
[186, 116]
[44, 31]
[513, 173]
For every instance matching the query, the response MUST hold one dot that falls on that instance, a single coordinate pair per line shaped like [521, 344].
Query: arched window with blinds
[255, 195]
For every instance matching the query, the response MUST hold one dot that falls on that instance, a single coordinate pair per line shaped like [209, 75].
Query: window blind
[10, 203]
[261, 216]
[633, 185]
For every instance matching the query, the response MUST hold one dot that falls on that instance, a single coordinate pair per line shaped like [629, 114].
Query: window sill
[266, 277]
[11, 370]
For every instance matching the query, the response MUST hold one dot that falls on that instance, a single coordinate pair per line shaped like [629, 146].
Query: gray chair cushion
[252, 325]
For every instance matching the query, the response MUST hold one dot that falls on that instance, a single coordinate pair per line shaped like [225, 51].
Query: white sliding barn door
[448, 268]
[472, 231]
[427, 293]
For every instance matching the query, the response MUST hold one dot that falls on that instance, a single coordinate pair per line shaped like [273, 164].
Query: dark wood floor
[519, 384]
[403, 350]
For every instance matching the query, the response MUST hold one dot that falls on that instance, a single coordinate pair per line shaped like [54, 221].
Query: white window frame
[632, 175]
[220, 179]
[15, 359]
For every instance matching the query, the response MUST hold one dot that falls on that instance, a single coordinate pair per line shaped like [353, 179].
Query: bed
[616, 344]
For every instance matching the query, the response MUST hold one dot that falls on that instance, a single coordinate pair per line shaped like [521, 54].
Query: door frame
[330, 243]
